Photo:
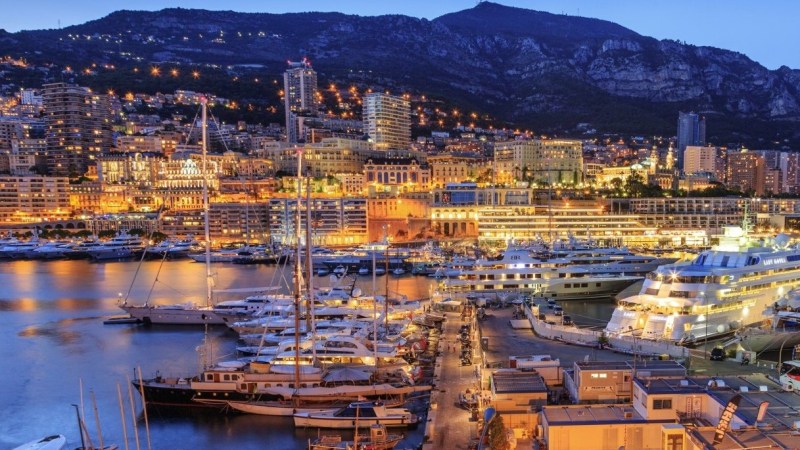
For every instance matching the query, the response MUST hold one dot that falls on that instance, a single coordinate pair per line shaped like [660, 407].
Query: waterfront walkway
[449, 425]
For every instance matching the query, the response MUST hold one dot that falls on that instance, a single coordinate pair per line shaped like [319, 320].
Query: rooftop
[517, 382]
[591, 414]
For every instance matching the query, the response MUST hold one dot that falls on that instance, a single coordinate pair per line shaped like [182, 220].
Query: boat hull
[349, 423]
[179, 393]
[276, 408]
[55, 442]
[153, 315]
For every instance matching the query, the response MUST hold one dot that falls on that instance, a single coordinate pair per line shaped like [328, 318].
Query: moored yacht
[720, 291]
[121, 246]
[519, 271]
[363, 413]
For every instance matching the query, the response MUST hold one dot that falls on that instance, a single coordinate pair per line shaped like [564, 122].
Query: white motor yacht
[720, 291]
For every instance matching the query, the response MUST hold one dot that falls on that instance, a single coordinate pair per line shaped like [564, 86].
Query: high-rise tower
[691, 131]
[300, 89]
[78, 126]
[387, 121]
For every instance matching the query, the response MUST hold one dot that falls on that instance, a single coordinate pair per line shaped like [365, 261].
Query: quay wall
[591, 338]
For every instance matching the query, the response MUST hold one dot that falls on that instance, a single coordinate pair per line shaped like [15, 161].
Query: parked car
[559, 311]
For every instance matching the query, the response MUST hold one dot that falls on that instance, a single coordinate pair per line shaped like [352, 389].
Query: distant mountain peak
[536, 69]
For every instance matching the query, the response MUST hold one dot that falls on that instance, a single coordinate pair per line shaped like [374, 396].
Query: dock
[494, 339]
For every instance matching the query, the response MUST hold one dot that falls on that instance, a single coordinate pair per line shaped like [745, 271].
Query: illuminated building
[27, 156]
[407, 216]
[319, 160]
[334, 221]
[32, 199]
[15, 129]
[746, 172]
[133, 169]
[396, 175]
[691, 131]
[454, 169]
[147, 222]
[227, 222]
[699, 159]
[705, 213]
[98, 198]
[300, 88]
[139, 144]
[78, 127]
[387, 121]
[551, 162]
[499, 224]
[352, 183]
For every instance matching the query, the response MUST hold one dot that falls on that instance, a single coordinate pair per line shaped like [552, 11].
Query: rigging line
[141, 260]
[214, 120]
[192, 127]
[158, 272]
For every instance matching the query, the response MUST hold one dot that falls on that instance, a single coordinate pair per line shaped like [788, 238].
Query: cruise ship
[562, 278]
[720, 291]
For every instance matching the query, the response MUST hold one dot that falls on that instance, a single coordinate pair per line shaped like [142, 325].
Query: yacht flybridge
[722, 290]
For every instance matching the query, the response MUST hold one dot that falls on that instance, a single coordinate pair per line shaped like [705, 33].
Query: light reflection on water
[54, 340]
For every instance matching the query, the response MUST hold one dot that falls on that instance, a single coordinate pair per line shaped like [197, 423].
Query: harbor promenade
[449, 425]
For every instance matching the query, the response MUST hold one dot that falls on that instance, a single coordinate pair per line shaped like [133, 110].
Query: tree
[498, 440]
[105, 234]
[136, 232]
[158, 236]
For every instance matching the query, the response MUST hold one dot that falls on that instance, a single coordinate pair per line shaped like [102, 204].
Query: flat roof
[784, 406]
[745, 439]
[640, 366]
[517, 382]
[592, 415]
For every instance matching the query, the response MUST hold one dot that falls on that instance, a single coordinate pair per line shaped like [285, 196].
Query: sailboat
[186, 313]
[232, 381]
[53, 442]
[86, 441]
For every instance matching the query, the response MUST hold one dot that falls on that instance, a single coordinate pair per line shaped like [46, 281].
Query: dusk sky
[766, 32]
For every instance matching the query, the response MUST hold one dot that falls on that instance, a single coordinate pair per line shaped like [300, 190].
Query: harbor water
[54, 346]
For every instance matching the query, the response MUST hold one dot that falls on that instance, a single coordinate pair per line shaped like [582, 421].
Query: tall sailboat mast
[297, 270]
[206, 230]
[310, 319]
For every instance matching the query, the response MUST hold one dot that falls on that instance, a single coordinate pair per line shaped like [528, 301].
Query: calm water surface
[53, 341]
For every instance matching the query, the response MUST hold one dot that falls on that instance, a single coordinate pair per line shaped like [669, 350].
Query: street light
[488, 415]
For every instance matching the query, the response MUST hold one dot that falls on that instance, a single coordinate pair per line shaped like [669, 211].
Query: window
[663, 403]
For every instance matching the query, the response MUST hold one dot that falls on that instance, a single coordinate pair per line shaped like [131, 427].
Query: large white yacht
[559, 278]
[720, 291]
[123, 245]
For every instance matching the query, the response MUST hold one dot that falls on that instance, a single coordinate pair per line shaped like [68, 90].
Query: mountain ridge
[522, 66]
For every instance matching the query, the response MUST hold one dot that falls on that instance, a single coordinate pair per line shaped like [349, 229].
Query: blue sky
[767, 32]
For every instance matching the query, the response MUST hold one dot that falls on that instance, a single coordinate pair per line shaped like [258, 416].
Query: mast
[386, 299]
[297, 272]
[206, 230]
[310, 319]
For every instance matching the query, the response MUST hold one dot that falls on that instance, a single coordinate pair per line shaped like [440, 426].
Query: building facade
[334, 221]
[699, 160]
[691, 131]
[33, 199]
[78, 127]
[300, 90]
[387, 121]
